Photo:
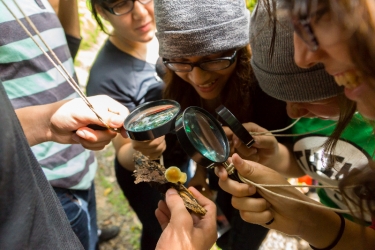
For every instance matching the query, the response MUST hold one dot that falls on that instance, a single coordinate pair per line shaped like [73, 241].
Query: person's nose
[139, 11]
[295, 110]
[303, 56]
[199, 76]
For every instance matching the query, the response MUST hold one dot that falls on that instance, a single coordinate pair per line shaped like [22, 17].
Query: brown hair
[356, 18]
[91, 5]
[236, 95]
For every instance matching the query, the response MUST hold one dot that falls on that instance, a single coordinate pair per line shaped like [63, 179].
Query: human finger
[261, 141]
[221, 172]
[208, 222]
[111, 112]
[93, 139]
[162, 214]
[242, 149]
[260, 218]
[152, 149]
[250, 204]
[179, 213]
[255, 171]
[236, 188]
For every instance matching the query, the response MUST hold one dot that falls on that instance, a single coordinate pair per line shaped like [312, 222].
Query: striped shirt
[29, 78]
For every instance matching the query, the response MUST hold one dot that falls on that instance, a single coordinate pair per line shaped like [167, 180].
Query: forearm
[124, 152]
[36, 121]
[323, 227]
[69, 17]
[286, 163]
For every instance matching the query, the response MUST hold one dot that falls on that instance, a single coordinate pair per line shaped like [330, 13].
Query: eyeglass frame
[231, 60]
[110, 10]
[301, 21]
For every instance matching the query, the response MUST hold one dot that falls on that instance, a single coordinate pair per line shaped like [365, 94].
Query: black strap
[338, 237]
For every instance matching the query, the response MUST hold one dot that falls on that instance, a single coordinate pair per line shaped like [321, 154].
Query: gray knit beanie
[200, 27]
[279, 76]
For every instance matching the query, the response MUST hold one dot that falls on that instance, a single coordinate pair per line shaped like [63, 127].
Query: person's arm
[67, 12]
[184, 230]
[317, 226]
[126, 147]
[66, 121]
[69, 17]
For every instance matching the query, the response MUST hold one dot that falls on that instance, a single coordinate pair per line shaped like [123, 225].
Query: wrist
[320, 227]
[35, 122]
[338, 236]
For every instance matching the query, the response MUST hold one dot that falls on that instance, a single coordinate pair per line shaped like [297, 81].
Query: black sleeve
[31, 216]
[73, 44]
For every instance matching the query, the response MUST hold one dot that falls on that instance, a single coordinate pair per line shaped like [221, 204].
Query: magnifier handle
[98, 127]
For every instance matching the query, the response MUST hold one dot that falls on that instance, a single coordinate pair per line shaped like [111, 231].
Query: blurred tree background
[251, 4]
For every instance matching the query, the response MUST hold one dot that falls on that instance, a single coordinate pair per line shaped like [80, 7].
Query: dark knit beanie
[279, 76]
[188, 28]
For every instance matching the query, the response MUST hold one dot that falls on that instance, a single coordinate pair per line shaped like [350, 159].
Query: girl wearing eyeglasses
[204, 46]
[125, 70]
[340, 35]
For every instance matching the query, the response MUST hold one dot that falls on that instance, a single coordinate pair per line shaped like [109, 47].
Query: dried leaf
[153, 173]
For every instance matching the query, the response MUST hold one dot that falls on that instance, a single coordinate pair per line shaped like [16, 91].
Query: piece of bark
[153, 173]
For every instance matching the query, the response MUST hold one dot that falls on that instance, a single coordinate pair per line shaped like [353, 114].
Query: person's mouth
[207, 87]
[144, 26]
[349, 79]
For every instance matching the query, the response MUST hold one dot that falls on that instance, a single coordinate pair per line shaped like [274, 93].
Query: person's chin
[366, 111]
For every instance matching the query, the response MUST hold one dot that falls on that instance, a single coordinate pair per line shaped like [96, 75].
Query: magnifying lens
[202, 137]
[199, 133]
[152, 120]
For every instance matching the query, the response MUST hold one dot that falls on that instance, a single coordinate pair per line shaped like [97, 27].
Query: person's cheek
[296, 110]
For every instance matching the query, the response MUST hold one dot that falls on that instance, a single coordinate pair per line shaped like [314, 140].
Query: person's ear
[101, 12]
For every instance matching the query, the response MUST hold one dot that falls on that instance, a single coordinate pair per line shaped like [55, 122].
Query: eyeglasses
[209, 65]
[301, 20]
[124, 7]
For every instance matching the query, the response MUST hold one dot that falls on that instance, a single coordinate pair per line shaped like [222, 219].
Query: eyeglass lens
[127, 6]
[301, 21]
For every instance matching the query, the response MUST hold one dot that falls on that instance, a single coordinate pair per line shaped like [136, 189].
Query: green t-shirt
[355, 146]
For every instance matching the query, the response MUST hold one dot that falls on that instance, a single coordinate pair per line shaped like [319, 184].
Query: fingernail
[240, 161]
[116, 120]
[171, 191]
[219, 172]
[253, 151]
[81, 134]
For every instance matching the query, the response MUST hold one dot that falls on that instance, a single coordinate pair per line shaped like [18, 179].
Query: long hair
[356, 18]
[236, 95]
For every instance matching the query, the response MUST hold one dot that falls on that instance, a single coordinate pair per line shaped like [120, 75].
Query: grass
[113, 206]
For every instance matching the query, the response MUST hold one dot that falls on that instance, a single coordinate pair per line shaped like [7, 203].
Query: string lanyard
[62, 70]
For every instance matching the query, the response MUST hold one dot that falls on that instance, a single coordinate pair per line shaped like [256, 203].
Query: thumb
[254, 171]
[176, 206]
